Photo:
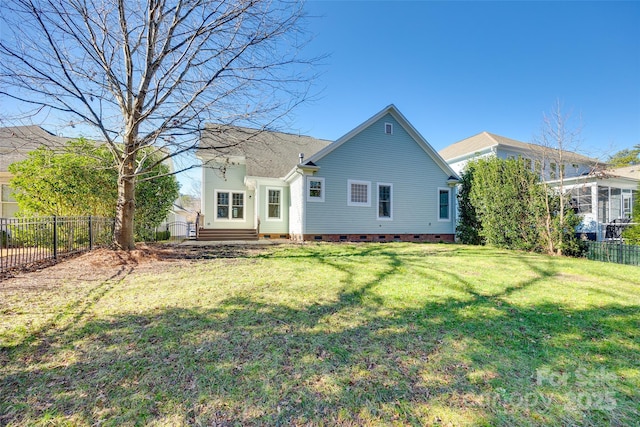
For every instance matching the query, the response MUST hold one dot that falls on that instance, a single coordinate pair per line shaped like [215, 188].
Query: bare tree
[558, 142]
[148, 74]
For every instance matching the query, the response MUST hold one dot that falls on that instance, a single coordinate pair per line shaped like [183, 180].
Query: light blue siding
[376, 157]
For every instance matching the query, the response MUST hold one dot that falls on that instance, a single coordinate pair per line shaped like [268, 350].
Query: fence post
[620, 260]
[55, 237]
[3, 227]
[90, 234]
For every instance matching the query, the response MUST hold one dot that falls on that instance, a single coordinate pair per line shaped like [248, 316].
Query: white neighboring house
[602, 196]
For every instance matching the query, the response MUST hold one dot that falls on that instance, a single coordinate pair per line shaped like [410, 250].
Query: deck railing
[25, 241]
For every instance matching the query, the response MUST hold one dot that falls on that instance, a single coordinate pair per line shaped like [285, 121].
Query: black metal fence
[614, 251]
[28, 240]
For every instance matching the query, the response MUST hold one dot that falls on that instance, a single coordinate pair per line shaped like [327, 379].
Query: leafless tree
[146, 75]
[559, 141]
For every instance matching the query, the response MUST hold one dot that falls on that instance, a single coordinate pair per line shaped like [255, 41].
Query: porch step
[210, 234]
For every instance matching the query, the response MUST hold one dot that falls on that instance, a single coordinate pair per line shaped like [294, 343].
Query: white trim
[307, 189]
[263, 180]
[448, 190]
[384, 218]
[350, 182]
[267, 217]
[229, 217]
[390, 128]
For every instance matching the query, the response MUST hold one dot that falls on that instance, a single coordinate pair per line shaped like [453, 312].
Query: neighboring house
[382, 181]
[15, 143]
[545, 161]
[599, 195]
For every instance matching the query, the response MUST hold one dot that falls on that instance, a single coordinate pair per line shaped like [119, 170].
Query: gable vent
[388, 128]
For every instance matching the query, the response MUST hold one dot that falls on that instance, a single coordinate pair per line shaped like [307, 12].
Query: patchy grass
[322, 334]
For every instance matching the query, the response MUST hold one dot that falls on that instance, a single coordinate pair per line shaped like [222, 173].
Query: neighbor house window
[8, 205]
[581, 200]
[388, 128]
[553, 170]
[315, 189]
[627, 203]
[537, 168]
[385, 200]
[358, 193]
[7, 193]
[229, 205]
[443, 204]
[274, 199]
[603, 204]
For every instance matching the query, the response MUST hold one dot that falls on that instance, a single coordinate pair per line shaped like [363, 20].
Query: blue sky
[455, 69]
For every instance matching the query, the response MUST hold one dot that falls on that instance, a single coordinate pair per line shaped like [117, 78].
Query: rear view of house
[382, 181]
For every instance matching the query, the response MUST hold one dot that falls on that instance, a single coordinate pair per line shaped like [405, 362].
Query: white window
[527, 164]
[315, 189]
[222, 200]
[385, 201]
[8, 205]
[388, 128]
[444, 202]
[627, 204]
[229, 205]
[237, 205]
[274, 204]
[358, 193]
[7, 193]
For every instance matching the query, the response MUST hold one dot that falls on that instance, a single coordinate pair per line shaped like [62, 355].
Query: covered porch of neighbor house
[605, 205]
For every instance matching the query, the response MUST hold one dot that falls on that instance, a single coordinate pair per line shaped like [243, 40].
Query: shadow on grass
[342, 362]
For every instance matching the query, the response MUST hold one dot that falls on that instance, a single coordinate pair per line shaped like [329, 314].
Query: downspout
[303, 226]
[256, 209]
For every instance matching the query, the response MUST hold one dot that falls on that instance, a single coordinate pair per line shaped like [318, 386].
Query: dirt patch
[101, 264]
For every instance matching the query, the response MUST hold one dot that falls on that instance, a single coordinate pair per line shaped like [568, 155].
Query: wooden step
[210, 234]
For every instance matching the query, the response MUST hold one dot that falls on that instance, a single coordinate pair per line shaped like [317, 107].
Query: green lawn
[330, 334]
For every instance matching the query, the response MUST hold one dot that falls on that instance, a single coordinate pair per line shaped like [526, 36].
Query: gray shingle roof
[632, 171]
[17, 141]
[267, 153]
[484, 140]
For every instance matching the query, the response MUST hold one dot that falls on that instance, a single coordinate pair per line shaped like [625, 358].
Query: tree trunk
[125, 208]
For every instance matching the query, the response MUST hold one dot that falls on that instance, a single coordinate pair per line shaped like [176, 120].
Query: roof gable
[402, 121]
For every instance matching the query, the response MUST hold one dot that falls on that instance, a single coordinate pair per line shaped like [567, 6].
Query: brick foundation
[433, 238]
